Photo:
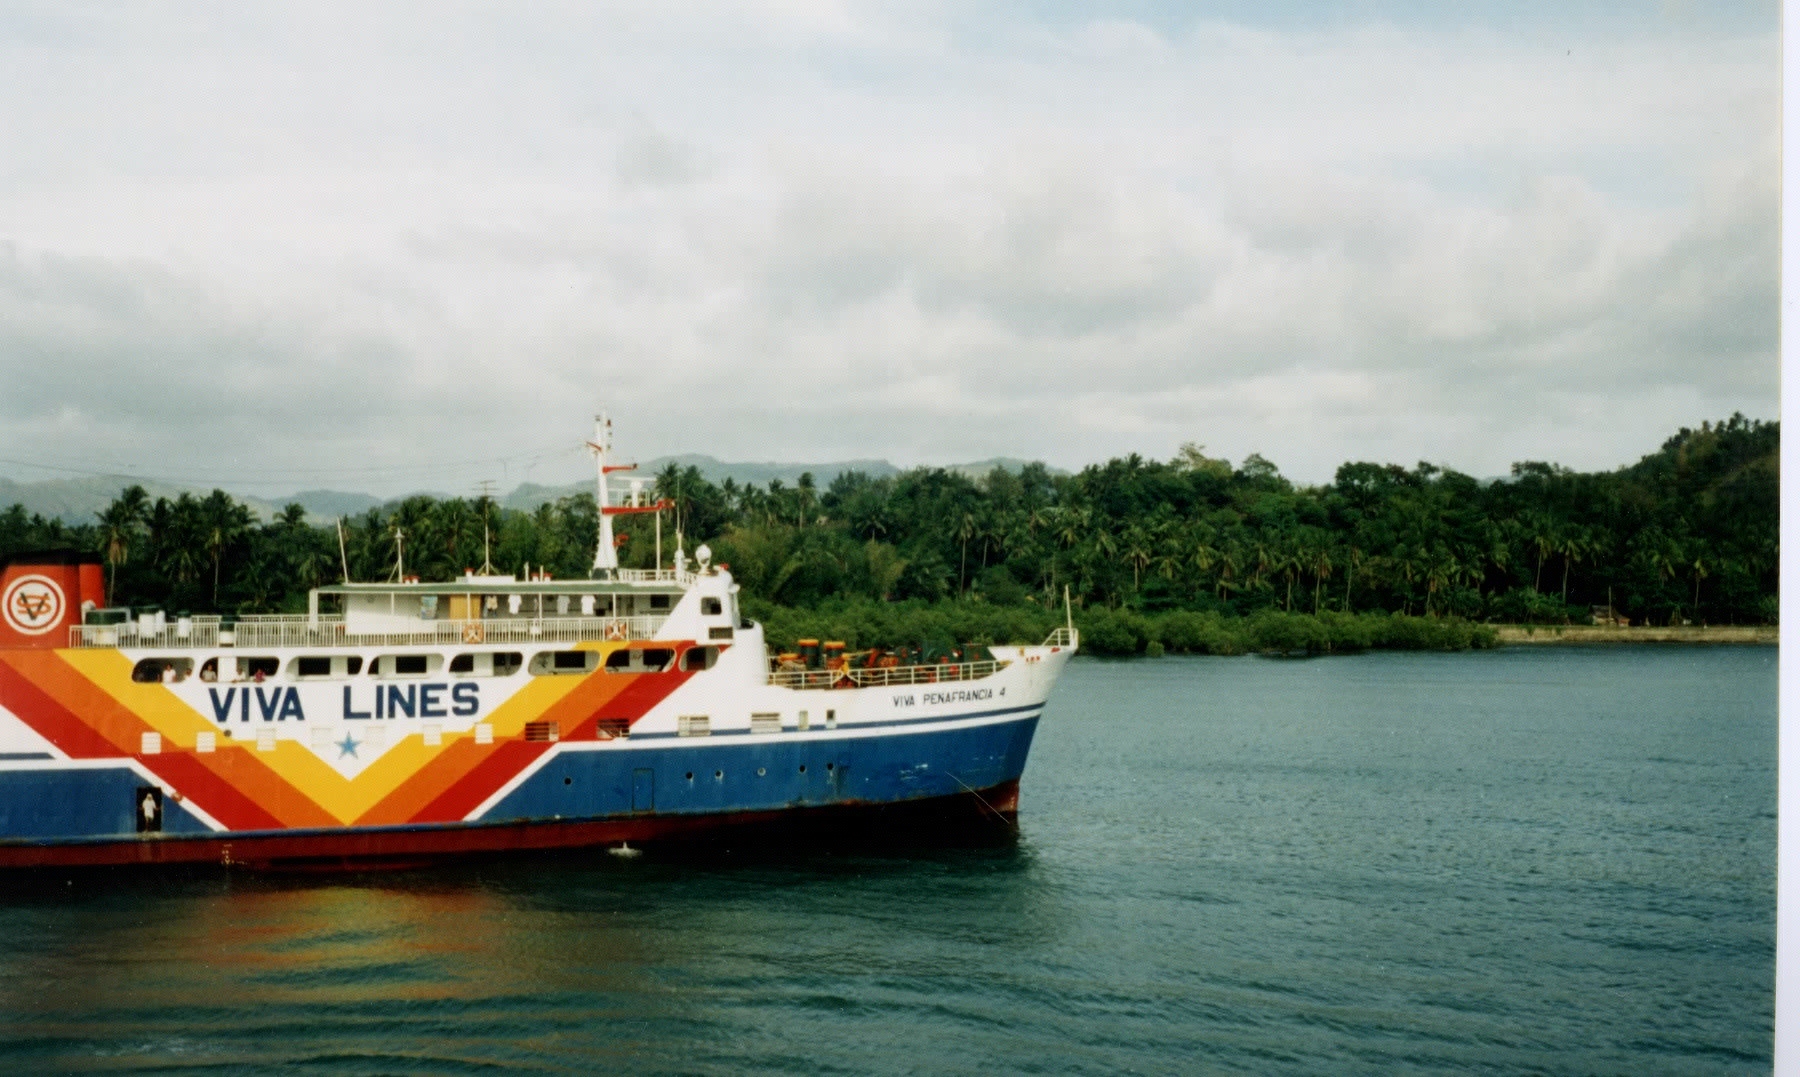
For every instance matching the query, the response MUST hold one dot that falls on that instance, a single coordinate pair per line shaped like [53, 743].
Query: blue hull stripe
[702, 776]
[744, 774]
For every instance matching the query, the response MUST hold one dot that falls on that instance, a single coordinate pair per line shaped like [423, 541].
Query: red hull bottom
[992, 809]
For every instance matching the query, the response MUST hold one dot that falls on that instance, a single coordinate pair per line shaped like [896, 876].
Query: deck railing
[260, 631]
[881, 677]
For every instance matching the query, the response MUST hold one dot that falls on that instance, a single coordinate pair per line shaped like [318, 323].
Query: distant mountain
[331, 504]
[529, 496]
[761, 474]
[80, 501]
[979, 469]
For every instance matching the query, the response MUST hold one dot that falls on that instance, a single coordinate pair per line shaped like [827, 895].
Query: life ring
[474, 633]
[615, 630]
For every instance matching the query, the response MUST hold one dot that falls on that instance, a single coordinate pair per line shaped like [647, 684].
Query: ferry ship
[410, 721]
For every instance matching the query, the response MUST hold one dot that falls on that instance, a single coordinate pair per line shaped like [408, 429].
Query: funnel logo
[32, 605]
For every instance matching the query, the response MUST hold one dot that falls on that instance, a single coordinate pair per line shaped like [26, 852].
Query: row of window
[399, 666]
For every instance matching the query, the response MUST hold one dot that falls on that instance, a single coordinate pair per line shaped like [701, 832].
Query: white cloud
[805, 231]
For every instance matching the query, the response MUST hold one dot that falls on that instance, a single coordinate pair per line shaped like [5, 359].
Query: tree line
[1688, 533]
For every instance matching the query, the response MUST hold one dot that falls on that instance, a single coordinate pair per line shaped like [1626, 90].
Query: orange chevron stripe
[85, 702]
[584, 695]
[72, 702]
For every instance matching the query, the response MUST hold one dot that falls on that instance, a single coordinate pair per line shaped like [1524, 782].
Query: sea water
[1553, 860]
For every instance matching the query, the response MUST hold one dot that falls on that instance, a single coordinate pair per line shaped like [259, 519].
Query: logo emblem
[32, 605]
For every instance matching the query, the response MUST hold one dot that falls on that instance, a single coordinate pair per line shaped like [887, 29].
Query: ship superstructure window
[404, 665]
[711, 607]
[699, 658]
[166, 670]
[564, 662]
[231, 669]
[486, 664]
[313, 667]
[640, 660]
[659, 602]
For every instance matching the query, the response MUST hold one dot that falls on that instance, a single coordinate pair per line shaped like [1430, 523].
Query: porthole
[760, 771]
[803, 768]
[718, 775]
[568, 781]
[690, 775]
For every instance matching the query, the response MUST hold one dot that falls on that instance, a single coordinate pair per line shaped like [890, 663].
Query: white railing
[657, 575]
[261, 631]
[1063, 637]
[881, 677]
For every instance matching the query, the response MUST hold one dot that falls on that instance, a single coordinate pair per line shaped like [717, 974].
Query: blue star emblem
[347, 747]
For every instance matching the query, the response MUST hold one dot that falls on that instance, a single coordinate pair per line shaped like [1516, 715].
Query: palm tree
[1441, 570]
[1573, 543]
[966, 529]
[120, 524]
[1230, 559]
[1697, 567]
[224, 522]
[1409, 565]
[805, 496]
[1545, 537]
[1318, 559]
[1353, 559]
[1138, 552]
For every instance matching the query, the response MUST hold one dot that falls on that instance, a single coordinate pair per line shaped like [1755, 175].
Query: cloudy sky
[388, 247]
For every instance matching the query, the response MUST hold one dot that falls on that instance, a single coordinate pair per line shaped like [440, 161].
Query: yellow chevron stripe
[345, 799]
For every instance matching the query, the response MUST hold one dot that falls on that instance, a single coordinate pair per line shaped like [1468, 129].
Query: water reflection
[558, 962]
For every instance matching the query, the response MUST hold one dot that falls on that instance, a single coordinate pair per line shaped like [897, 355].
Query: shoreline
[1550, 634]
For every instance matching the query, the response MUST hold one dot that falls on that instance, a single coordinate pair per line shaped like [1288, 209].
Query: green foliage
[1192, 554]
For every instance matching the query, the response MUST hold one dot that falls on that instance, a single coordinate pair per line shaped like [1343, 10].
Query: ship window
[403, 665]
[640, 660]
[319, 666]
[659, 602]
[166, 670]
[563, 662]
[698, 658]
[486, 664]
[249, 669]
[711, 607]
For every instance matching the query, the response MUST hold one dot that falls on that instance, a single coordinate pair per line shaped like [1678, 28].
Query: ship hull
[875, 784]
[962, 816]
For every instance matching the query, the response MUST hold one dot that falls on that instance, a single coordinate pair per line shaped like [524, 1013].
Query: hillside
[80, 500]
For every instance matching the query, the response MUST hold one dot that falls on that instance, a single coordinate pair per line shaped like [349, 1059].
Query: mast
[606, 555]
